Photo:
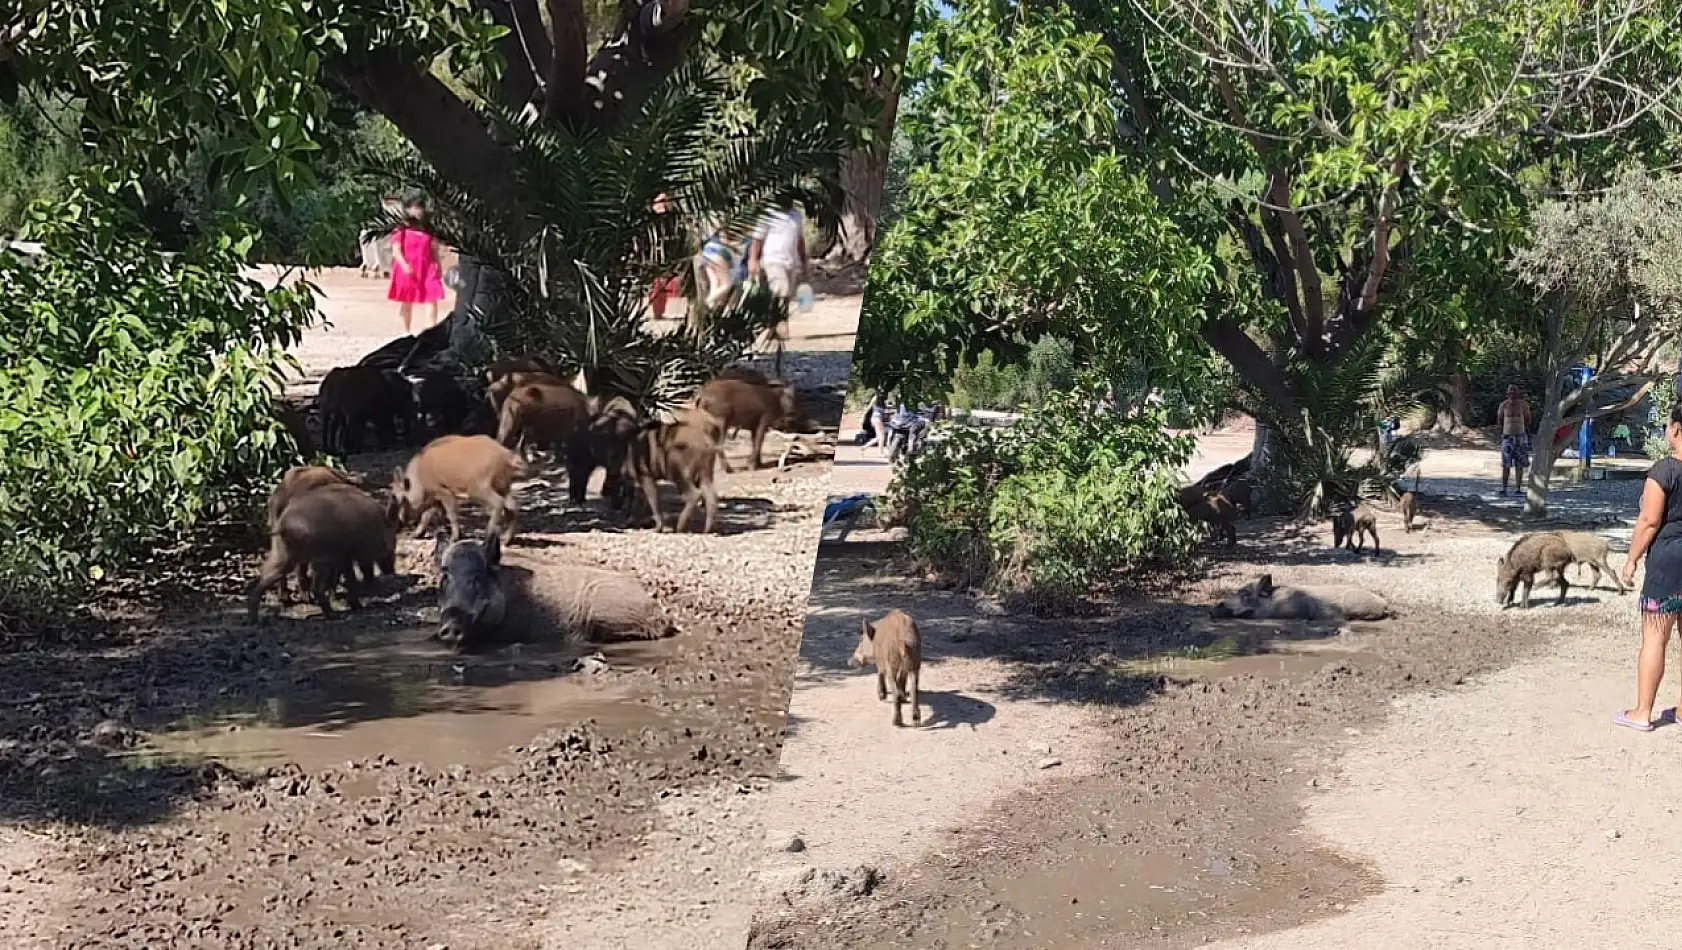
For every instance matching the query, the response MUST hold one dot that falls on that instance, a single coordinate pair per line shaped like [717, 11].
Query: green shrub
[1062, 501]
[135, 394]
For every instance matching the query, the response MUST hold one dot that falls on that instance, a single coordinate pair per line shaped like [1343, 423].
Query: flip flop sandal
[1622, 719]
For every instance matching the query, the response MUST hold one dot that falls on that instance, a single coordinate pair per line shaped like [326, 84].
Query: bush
[135, 394]
[1058, 503]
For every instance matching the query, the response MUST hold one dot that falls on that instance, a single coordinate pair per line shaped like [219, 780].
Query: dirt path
[1176, 816]
[179, 778]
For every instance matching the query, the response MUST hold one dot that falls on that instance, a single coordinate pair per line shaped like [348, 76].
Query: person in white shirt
[779, 249]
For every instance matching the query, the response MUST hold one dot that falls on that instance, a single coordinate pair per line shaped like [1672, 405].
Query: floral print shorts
[1662, 605]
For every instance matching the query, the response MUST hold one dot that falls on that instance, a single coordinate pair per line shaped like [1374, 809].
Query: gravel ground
[174, 777]
[1175, 813]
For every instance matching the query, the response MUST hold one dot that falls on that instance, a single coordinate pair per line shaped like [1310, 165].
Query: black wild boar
[472, 595]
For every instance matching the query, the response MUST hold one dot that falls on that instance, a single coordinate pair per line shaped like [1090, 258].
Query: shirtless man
[1514, 416]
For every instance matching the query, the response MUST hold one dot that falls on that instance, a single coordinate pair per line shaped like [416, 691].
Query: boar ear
[1264, 585]
[493, 550]
[868, 631]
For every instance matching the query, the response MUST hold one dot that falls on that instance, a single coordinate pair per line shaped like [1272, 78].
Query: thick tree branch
[525, 50]
[439, 124]
[571, 57]
[1302, 253]
[1228, 338]
[647, 45]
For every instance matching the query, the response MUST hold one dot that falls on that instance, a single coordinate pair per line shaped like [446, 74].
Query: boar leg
[691, 495]
[758, 446]
[1524, 599]
[651, 491]
[1374, 532]
[275, 568]
[324, 576]
[427, 517]
[709, 493]
[899, 701]
[1564, 586]
[916, 707]
[504, 509]
[452, 510]
[881, 685]
[1607, 566]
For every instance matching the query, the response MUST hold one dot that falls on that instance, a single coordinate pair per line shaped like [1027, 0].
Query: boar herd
[328, 533]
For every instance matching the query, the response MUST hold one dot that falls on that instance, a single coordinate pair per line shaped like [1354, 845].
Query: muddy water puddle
[1263, 650]
[417, 703]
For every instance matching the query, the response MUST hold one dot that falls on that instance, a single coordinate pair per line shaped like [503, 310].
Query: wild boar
[894, 648]
[681, 453]
[1595, 553]
[1261, 600]
[599, 604]
[1410, 510]
[543, 415]
[329, 529]
[757, 407]
[440, 402]
[1351, 525]
[1214, 510]
[604, 443]
[351, 397]
[1545, 555]
[472, 595]
[498, 388]
[475, 466]
[295, 482]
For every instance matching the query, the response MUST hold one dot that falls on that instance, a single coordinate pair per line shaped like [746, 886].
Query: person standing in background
[1514, 416]
[376, 247]
[779, 254]
[665, 288]
[418, 275]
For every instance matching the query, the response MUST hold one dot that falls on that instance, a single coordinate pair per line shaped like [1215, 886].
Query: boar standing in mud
[894, 648]
[330, 529]
[1213, 509]
[542, 415]
[1545, 555]
[604, 443]
[1351, 526]
[474, 466]
[1595, 553]
[740, 403]
[472, 595]
[683, 453]
[1262, 600]
[1410, 510]
[351, 397]
[298, 480]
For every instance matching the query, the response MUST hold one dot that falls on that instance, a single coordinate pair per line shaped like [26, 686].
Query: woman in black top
[1658, 538]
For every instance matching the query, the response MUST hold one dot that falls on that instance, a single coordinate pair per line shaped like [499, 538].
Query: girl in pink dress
[417, 275]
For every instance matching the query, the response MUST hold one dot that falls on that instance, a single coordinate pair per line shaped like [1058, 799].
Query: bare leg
[432, 314]
[1649, 669]
[407, 312]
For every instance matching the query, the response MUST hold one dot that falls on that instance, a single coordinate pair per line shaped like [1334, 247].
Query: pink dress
[426, 284]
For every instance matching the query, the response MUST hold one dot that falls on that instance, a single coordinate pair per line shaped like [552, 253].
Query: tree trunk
[863, 175]
[1261, 464]
[1460, 400]
[1544, 449]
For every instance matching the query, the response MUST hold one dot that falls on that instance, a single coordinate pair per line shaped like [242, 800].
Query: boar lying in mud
[600, 604]
[472, 594]
[604, 443]
[738, 402]
[330, 530]
[1545, 555]
[894, 648]
[542, 415]
[1595, 553]
[1262, 600]
[475, 466]
[1351, 526]
[1213, 509]
[683, 453]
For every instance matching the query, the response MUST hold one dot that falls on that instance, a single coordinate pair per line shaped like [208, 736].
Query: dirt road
[1159, 779]
[175, 777]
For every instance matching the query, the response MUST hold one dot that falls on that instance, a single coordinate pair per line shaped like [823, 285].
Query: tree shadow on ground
[1583, 506]
[75, 721]
[1291, 543]
[1107, 660]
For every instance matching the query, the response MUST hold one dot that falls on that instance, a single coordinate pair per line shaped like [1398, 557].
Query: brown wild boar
[293, 421]
[757, 407]
[474, 466]
[330, 529]
[1410, 510]
[682, 453]
[1594, 552]
[498, 389]
[298, 480]
[1545, 555]
[543, 415]
[1213, 509]
[1350, 525]
[1261, 600]
[604, 443]
[894, 648]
